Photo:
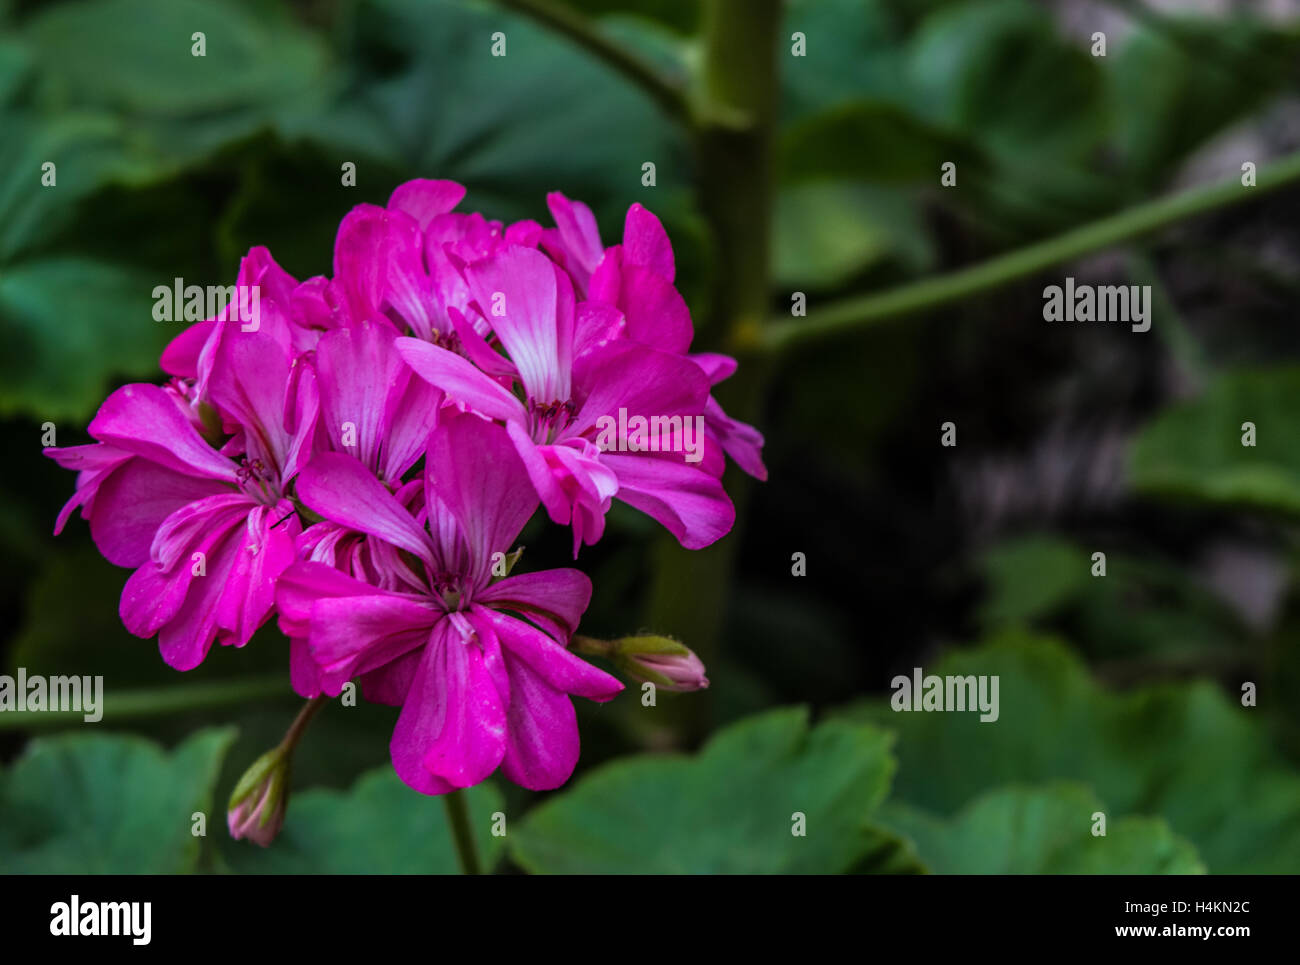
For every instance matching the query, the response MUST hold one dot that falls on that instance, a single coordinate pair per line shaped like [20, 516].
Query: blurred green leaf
[1031, 577]
[1194, 450]
[1176, 82]
[1177, 751]
[1044, 830]
[428, 98]
[1142, 605]
[828, 231]
[872, 141]
[854, 50]
[998, 70]
[87, 151]
[728, 810]
[380, 826]
[71, 325]
[135, 57]
[88, 803]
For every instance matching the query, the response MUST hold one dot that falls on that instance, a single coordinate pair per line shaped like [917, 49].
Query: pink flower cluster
[360, 456]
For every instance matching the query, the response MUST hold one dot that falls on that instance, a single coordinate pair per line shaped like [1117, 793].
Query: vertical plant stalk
[735, 101]
[462, 835]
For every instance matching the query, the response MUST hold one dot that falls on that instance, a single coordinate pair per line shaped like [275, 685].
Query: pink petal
[559, 668]
[557, 597]
[542, 741]
[462, 382]
[132, 503]
[645, 243]
[341, 489]
[535, 324]
[451, 732]
[423, 198]
[144, 419]
[687, 500]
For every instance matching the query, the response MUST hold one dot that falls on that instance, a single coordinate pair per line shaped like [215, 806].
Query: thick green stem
[853, 314]
[157, 702]
[735, 107]
[462, 834]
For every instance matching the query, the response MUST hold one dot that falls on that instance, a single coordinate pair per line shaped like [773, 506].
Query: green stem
[736, 105]
[299, 725]
[157, 702]
[461, 832]
[666, 92]
[852, 314]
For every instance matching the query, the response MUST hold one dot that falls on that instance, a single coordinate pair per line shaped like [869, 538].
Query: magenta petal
[640, 379]
[264, 550]
[542, 742]
[391, 683]
[304, 676]
[461, 381]
[579, 235]
[341, 489]
[687, 500]
[132, 503]
[530, 308]
[302, 584]
[248, 383]
[479, 477]
[716, 367]
[656, 312]
[185, 640]
[356, 634]
[559, 667]
[559, 597]
[145, 420]
[451, 732]
[741, 441]
[181, 356]
[423, 198]
[645, 243]
[356, 368]
[190, 536]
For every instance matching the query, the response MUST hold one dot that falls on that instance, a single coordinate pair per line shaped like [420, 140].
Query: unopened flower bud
[257, 806]
[661, 661]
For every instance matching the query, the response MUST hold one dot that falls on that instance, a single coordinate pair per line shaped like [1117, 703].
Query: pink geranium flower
[480, 668]
[206, 529]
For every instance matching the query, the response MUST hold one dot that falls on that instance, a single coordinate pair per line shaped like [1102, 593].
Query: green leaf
[1044, 830]
[71, 325]
[1140, 606]
[91, 803]
[827, 232]
[1178, 81]
[379, 826]
[1194, 450]
[871, 141]
[135, 57]
[430, 100]
[727, 810]
[1031, 577]
[87, 150]
[999, 70]
[1179, 751]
